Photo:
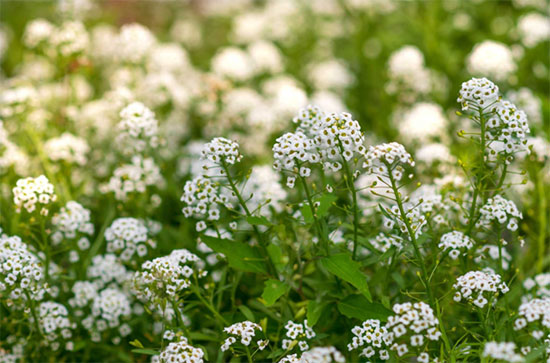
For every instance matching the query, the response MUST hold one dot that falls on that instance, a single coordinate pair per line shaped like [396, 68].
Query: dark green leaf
[239, 255]
[258, 220]
[356, 306]
[314, 311]
[341, 265]
[306, 212]
[145, 351]
[247, 312]
[325, 202]
[273, 290]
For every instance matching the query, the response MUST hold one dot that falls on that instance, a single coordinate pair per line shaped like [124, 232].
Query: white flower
[138, 129]
[221, 150]
[126, 235]
[533, 28]
[182, 352]
[455, 241]
[483, 283]
[29, 192]
[387, 158]
[502, 351]
[67, 147]
[493, 59]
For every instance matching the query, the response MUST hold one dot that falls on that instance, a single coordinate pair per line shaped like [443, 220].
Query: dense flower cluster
[245, 330]
[54, 322]
[456, 242]
[505, 351]
[415, 219]
[503, 211]
[478, 94]
[138, 129]
[370, 335]
[299, 333]
[134, 177]
[127, 236]
[531, 312]
[165, 277]
[484, 284]
[222, 151]
[539, 285]
[263, 188]
[492, 59]
[68, 148]
[29, 192]
[180, 352]
[21, 272]
[383, 242]
[388, 158]
[203, 199]
[71, 220]
[322, 355]
[107, 269]
[412, 326]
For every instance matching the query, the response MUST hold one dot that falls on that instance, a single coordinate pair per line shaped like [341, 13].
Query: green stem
[424, 278]
[320, 233]
[351, 186]
[242, 202]
[206, 303]
[543, 220]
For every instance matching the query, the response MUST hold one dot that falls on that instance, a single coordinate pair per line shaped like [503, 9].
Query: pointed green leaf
[314, 311]
[273, 290]
[258, 221]
[240, 256]
[344, 267]
[356, 306]
[325, 202]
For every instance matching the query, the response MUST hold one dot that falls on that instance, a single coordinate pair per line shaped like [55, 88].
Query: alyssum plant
[307, 274]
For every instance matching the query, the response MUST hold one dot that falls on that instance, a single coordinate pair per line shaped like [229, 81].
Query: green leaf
[136, 343]
[344, 267]
[356, 306]
[145, 351]
[202, 336]
[247, 312]
[273, 290]
[325, 202]
[258, 221]
[314, 311]
[240, 256]
[306, 212]
[276, 255]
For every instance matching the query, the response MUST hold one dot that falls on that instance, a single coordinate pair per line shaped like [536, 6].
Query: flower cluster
[531, 312]
[291, 152]
[180, 352]
[411, 325]
[300, 333]
[493, 59]
[127, 236]
[21, 272]
[71, 220]
[108, 309]
[203, 198]
[540, 284]
[505, 351]
[263, 188]
[372, 335]
[134, 178]
[165, 277]
[53, 319]
[383, 242]
[385, 158]
[415, 218]
[107, 269]
[68, 148]
[456, 242]
[138, 129]
[222, 151]
[498, 209]
[322, 354]
[245, 330]
[30, 191]
[485, 284]
[478, 94]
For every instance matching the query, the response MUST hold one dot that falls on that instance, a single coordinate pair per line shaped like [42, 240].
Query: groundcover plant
[274, 181]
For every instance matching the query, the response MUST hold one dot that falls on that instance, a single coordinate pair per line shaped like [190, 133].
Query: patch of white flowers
[134, 177]
[500, 210]
[388, 158]
[297, 333]
[222, 151]
[478, 287]
[535, 312]
[31, 192]
[138, 129]
[180, 352]
[21, 272]
[73, 219]
[370, 336]
[53, 319]
[322, 355]
[411, 328]
[68, 148]
[165, 277]
[383, 242]
[456, 242]
[108, 310]
[128, 236]
[505, 351]
[245, 331]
